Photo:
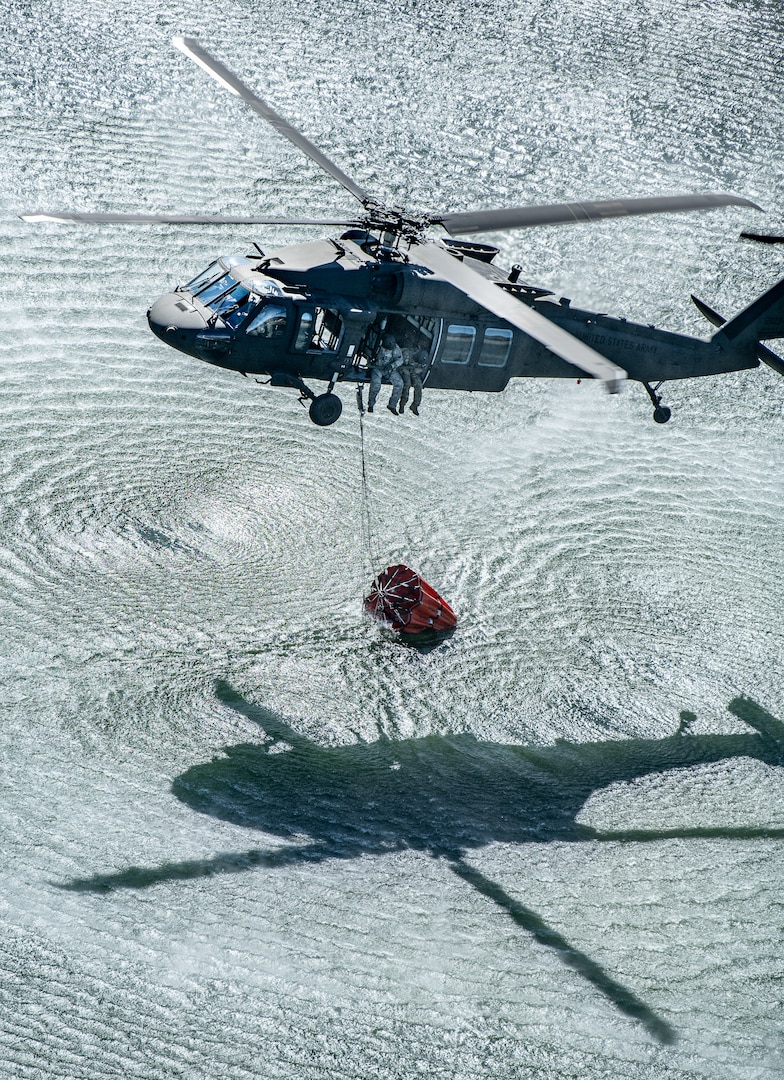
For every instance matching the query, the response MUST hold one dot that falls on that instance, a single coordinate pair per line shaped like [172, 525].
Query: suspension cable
[367, 524]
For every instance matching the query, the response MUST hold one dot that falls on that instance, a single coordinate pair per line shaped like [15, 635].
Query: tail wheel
[325, 409]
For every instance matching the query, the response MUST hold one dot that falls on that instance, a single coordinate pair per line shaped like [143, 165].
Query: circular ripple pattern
[246, 832]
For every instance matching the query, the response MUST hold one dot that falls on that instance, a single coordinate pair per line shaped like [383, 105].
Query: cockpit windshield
[222, 302]
[206, 277]
[217, 288]
[234, 301]
[211, 275]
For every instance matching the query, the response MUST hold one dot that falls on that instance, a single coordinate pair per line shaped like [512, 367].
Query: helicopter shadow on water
[444, 795]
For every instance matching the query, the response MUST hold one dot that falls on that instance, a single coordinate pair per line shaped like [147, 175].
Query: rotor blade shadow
[234, 862]
[643, 836]
[143, 877]
[747, 710]
[273, 725]
[622, 998]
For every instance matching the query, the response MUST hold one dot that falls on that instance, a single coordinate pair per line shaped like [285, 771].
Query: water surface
[245, 833]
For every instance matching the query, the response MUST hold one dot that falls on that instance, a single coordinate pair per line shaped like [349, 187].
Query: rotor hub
[394, 224]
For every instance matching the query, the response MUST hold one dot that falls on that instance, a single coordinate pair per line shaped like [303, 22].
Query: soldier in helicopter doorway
[386, 364]
[414, 364]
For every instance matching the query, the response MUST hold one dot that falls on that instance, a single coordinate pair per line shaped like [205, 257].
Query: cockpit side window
[270, 322]
[234, 316]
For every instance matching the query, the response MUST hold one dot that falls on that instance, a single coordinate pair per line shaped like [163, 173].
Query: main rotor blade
[514, 311]
[524, 217]
[66, 217]
[229, 80]
[763, 238]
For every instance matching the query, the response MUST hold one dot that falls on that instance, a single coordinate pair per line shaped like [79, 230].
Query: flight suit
[386, 365]
[414, 365]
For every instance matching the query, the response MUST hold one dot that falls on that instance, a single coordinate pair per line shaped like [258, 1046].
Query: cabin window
[458, 342]
[304, 332]
[327, 330]
[495, 347]
[270, 322]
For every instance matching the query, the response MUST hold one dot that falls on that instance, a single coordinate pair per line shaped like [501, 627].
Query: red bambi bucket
[404, 601]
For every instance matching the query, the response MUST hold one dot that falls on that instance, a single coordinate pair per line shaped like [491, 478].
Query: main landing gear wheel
[661, 413]
[325, 409]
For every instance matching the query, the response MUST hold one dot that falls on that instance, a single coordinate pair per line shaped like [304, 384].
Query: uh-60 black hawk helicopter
[318, 310]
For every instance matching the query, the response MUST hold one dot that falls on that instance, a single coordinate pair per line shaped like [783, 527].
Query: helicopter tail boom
[766, 355]
[762, 319]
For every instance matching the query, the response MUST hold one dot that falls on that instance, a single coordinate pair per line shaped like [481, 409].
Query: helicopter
[319, 311]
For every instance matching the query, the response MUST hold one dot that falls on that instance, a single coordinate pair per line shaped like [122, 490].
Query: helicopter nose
[175, 320]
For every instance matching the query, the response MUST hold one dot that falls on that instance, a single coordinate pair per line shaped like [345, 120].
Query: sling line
[367, 523]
